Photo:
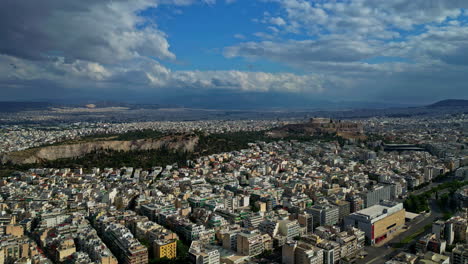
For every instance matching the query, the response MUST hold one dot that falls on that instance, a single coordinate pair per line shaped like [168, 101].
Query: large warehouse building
[379, 221]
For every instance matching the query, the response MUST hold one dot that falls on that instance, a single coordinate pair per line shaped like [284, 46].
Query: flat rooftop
[374, 211]
[379, 210]
[410, 215]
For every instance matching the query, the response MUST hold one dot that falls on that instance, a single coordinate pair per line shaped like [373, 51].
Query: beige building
[406, 258]
[460, 254]
[14, 230]
[65, 249]
[251, 243]
[199, 254]
[434, 258]
[109, 260]
[379, 222]
[14, 249]
[289, 229]
[301, 253]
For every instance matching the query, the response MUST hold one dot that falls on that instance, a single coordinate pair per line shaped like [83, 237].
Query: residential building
[165, 249]
[324, 214]
[459, 254]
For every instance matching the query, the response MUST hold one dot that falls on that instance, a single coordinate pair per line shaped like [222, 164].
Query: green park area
[420, 203]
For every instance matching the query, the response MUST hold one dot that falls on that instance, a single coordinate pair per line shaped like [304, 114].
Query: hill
[140, 149]
[323, 127]
[450, 103]
[23, 106]
[176, 143]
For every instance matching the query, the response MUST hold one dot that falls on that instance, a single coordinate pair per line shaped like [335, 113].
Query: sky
[234, 52]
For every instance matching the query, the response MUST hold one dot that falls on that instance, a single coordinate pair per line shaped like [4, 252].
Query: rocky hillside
[185, 143]
[320, 127]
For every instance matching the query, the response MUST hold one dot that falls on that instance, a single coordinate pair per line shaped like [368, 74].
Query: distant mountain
[24, 106]
[104, 104]
[268, 101]
[12, 106]
[450, 103]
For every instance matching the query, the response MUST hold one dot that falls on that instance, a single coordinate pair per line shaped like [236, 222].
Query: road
[378, 254]
[430, 186]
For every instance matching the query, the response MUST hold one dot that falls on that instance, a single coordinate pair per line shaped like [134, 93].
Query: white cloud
[374, 18]
[239, 36]
[444, 44]
[330, 49]
[273, 29]
[106, 45]
[148, 74]
[263, 35]
[277, 21]
[357, 48]
[209, 2]
[99, 31]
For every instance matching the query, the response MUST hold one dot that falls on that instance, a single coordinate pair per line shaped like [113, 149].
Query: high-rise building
[270, 227]
[460, 228]
[355, 203]
[125, 247]
[429, 173]
[287, 254]
[199, 254]
[448, 233]
[344, 209]
[306, 254]
[307, 221]
[230, 240]
[438, 228]
[251, 243]
[376, 194]
[289, 229]
[301, 253]
[253, 221]
[460, 254]
[324, 214]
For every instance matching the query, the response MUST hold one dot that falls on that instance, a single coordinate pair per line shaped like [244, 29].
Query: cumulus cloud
[365, 17]
[370, 47]
[248, 81]
[148, 74]
[439, 44]
[278, 21]
[107, 45]
[239, 36]
[342, 48]
[99, 31]
[305, 51]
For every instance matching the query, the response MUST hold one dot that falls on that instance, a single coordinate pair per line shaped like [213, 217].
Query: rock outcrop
[48, 153]
[320, 126]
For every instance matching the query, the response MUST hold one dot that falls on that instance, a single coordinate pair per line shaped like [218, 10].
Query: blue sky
[198, 34]
[172, 50]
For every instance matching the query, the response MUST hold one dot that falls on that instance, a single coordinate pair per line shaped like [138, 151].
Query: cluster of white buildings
[310, 202]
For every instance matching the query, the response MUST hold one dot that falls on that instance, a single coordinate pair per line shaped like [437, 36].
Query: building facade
[378, 222]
